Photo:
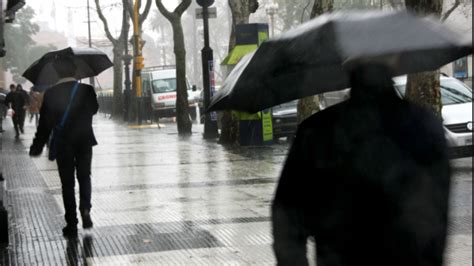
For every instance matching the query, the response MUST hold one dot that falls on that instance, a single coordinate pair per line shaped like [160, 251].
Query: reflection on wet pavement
[158, 199]
[154, 192]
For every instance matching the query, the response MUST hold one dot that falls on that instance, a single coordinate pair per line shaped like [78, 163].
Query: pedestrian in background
[74, 142]
[17, 101]
[368, 178]
[3, 108]
[36, 99]
[25, 95]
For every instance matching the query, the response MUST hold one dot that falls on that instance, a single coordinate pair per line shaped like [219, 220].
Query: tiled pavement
[161, 199]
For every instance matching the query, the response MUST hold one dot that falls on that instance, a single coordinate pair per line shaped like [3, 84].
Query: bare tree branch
[129, 7]
[304, 11]
[449, 11]
[125, 22]
[146, 11]
[164, 11]
[106, 25]
[182, 7]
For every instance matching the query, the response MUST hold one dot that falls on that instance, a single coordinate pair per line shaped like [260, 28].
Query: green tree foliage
[22, 50]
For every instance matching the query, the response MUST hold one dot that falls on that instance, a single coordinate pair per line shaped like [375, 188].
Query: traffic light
[139, 62]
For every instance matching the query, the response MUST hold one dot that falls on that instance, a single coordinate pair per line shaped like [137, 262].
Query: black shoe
[70, 231]
[86, 219]
[22, 131]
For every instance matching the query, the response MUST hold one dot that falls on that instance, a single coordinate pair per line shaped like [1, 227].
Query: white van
[159, 84]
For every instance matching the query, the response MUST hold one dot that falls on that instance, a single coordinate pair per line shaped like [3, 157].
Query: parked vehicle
[456, 98]
[159, 84]
[284, 115]
[284, 120]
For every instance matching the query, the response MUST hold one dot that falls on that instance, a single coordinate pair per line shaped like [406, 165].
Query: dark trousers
[70, 160]
[35, 116]
[19, 121]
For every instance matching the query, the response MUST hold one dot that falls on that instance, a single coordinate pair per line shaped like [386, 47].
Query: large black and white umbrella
[316, 56]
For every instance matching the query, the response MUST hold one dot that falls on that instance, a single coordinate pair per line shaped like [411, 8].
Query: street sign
[212, 12]
[205, 3]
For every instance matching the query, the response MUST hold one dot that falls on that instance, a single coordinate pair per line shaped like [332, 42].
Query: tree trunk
[241, 10]
[423, 88]
[118, 77]
[183, 121]
[425, 7]
[310, 105]
[118, 48]
[306, 107]
[321, 6]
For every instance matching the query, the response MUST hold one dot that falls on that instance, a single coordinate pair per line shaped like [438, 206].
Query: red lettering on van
[167, 97]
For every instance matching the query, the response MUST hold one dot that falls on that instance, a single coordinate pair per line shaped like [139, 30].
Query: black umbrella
[89, 62]
[314, 57]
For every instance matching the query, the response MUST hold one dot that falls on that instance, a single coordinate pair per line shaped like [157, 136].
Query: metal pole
[91, 79]
[210, 122]
[138, 59]
[195, 56]
[128, 91]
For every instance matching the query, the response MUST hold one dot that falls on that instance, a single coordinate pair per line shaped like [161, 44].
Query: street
[159, 198]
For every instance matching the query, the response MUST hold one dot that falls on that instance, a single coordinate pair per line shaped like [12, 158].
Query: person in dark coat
[74, 146]
[25, 95]
[368, 179]
[17, 101]
[3, 108]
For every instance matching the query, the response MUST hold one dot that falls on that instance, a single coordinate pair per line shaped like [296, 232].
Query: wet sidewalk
[161, 199]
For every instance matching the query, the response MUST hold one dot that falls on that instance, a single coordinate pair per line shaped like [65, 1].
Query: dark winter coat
[369, 179]
[78, 127]
[18, 100]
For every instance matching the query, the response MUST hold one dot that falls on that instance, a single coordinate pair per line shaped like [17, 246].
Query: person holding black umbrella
[25, 95]
[66, 115]
[368, 178]
[74, 147]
